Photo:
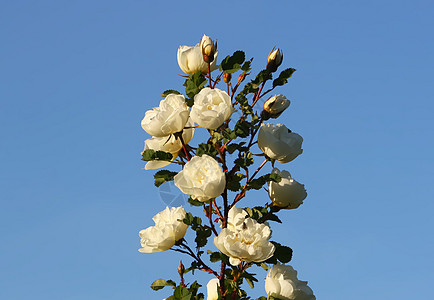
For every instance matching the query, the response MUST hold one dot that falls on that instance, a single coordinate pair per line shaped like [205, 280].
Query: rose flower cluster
[218, 172]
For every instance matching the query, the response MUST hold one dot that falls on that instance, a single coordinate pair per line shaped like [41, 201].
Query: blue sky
[77, 76]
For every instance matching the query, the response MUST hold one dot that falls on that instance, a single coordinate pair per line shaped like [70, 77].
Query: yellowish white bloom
[170, 117]
[169, 228]
[169, 144]
[212, 289]
[287, 193]
[190, 59]
[281, 282]
[250, 243]
[276, 105]
[211, 108]
[279, 143]
[202, 178]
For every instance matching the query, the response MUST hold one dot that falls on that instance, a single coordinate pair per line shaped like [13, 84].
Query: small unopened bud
[181, 268]
[242, 77]
[275, 106]
[208, 48]
[274, 59]
[227, 77]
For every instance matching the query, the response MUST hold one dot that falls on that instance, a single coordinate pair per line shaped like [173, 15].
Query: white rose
[212, 289]
[250, 243]
[211, 108]
[276, 105]
[236, 218]
[288, 193]
[279, 143]
[168, 229]
[282, 283]
[190, 59]
[167, 144]
[170, 117]
[202, 178]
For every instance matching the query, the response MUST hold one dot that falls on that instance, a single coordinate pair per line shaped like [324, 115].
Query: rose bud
[274, 59]
[227, 77]
[208, 48]
[275, 106]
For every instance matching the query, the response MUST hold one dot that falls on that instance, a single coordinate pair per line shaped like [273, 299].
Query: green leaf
[245, 161]
[250, 282]
[150, 154]
[202, 236]
[284, 254]
[283, 77]
[168, 92]
[246, 66]
[206, 149]
[188, 219]
[193, 84]
[161, 283]
[215, 257]
[233, 183]
[242, 129]
[231, 64]
[182, 293]
[163, 176]
[194, 202]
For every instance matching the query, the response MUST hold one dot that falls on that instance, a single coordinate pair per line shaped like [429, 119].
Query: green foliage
[282, 254]
[233, 181]
[202, 235]
[163, 176]
[229, 134]
[150, 154]
[231, 148]
[242, 129]
[161, 283]
[245, 161]
[231, 64]
[246, 67]
[193, 84]
[206, 149]
[258, 183]
[283, 77]
[182, 293]
[194, 202]
[168, 92]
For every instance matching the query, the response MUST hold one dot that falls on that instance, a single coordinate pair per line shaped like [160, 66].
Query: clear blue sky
[77, 76]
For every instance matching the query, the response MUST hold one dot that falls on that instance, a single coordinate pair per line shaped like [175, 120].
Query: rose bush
[211, 108]
[190, 59]
[202, 178]
[287, 193]
[168, 229]
[279, 143]
[170, 117]
[218, 173]
[281, 282]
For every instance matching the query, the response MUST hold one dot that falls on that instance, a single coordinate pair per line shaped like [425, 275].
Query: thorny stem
[183, 147]
[257, 97]
[209, 76]
[217, 79]
[211, 223]
[241, 194]
[218, 212]
[196, 257]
